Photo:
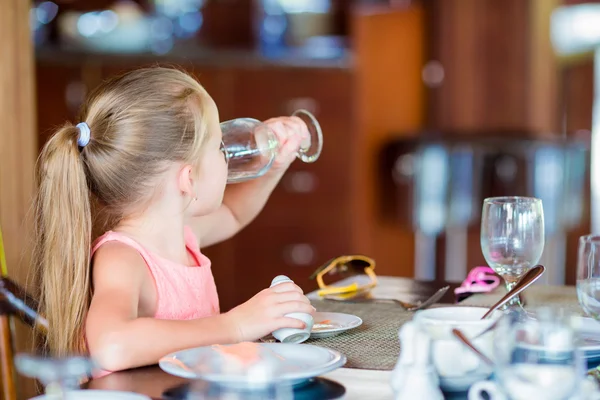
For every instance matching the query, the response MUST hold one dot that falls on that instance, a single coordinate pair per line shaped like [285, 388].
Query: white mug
[293, 335]
[458, 368]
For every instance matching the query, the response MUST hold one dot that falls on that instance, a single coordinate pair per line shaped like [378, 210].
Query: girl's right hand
[265, 312]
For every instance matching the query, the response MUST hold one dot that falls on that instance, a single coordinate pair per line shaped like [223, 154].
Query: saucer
[328, 324]
[317, 388]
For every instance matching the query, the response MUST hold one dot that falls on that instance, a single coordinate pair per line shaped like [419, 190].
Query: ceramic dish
[329, 324]
[294, 364]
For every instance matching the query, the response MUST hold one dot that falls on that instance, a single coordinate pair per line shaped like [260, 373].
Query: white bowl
[457, 366]
[441, 320]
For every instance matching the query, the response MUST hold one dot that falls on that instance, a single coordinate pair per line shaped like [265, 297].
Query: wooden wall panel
[543, 94]
[389, 102]
[500, 70]
[18, 143]
[483, 47]
[578, 95]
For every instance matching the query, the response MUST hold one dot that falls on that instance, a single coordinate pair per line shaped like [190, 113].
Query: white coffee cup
[293, 335]
[457, 366]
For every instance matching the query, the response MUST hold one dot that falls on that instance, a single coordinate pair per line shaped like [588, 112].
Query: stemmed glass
[512, 237]
[538, 358]
[250, 146]
[58, 376]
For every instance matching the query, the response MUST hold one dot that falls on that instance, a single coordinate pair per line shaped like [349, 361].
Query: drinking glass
[588, 275]
[512, 237]
[250, 146]
[58, 375]
[538, 358]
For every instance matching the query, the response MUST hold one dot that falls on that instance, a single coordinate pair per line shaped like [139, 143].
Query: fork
[420, 305]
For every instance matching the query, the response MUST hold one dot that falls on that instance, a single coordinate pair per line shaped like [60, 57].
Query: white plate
[295, 363]
[329, 324]
[97, 395]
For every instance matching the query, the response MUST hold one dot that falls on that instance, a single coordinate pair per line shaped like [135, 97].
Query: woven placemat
[374, 344]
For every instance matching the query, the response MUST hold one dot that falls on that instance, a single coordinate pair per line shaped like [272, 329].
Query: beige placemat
[374, 344]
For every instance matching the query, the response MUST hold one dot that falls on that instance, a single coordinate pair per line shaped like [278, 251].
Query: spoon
[464, 340]
[523, 283]
[493, 325]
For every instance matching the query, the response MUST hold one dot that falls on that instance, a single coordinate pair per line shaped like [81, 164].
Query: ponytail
[63, 228]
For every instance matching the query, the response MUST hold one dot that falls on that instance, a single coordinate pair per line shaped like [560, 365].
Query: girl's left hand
[290, 132]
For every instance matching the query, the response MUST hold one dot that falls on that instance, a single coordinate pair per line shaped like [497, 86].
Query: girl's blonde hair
[139, 123]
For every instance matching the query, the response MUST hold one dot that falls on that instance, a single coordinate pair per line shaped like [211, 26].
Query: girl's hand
[265, 312]
[290, 132]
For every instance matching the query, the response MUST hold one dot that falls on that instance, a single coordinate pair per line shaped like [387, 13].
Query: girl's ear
[186, 181]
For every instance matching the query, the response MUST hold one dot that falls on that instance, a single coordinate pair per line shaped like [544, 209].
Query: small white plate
[97, 395]
[329, 324]
[295, 363]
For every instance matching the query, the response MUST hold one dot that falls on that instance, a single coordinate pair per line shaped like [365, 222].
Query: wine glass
[538, 358]
[250, 146]
[512, 237]
[58, 375]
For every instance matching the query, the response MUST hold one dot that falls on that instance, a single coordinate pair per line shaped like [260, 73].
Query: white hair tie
[84, 134]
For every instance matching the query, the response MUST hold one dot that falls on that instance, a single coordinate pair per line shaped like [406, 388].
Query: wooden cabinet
[292, 247]
[327, 93]
[578, 95]
[60, 92]
[492, 66]
[304, 223]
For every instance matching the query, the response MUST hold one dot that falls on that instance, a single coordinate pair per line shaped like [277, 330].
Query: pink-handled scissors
[479, 280]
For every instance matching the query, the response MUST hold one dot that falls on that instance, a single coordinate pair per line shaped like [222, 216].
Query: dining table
[362, 377]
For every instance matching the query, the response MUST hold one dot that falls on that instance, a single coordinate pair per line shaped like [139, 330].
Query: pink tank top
[183, 292]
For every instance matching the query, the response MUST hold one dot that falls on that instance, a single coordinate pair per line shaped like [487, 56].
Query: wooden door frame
[18, 146]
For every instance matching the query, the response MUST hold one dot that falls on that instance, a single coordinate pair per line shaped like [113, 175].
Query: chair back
[14, 302]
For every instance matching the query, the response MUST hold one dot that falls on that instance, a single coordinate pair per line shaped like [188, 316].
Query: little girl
[145, 166]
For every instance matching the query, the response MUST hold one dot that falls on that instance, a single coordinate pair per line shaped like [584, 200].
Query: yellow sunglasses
[346, 267]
